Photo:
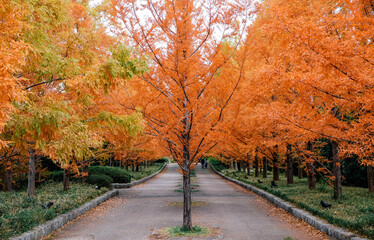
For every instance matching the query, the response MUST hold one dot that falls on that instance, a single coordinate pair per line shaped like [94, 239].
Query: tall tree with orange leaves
[314, 75]
[183, 96]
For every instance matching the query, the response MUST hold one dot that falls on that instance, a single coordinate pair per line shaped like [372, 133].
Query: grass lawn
[144, 172]
[19, 213]
[354, 211]
[193, 204]
[176, 232]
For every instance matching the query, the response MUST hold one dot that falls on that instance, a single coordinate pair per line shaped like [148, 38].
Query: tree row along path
[138, 212]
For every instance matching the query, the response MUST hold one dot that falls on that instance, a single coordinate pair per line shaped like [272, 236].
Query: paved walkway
[137, 212]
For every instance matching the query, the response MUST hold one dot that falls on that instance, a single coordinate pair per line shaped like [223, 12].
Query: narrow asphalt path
[138, 212]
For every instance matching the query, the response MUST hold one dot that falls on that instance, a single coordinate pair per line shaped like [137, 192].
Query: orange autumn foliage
[12, 56]
[182, 96]
[310, 75]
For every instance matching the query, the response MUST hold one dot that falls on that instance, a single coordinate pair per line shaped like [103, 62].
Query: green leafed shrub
[217, 164]
[117, 174]
[162, 160]
[56, 176]
[100, 180]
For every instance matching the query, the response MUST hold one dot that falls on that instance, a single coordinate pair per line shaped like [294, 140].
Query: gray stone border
[316, 222]
[137, 182]
[63, 219]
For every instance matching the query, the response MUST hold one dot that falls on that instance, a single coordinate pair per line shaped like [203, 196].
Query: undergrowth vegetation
[146, 171]
[19, 213]
[178, 231]
[118, 175]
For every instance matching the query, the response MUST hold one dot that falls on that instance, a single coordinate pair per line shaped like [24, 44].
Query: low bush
[100, 180]
[144, 172]
[19, 213]
[56, 176]
[217, 164]
[117, 174]
[162, 160]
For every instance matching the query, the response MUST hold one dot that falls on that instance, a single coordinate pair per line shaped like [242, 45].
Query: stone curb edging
[56, 223]
[316, 222]
[137, 182]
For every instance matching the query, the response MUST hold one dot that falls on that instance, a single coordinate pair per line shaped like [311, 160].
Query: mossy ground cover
[193, 204]
[145, 171]
[194, 187]
[192, 190]
[19, 213]
[178, 231]
[354, 211]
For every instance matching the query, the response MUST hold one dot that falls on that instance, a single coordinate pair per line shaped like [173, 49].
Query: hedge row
[102, 176]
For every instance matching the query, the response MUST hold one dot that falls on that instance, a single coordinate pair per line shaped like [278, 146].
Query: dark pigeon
[325, 204]
[48, 205]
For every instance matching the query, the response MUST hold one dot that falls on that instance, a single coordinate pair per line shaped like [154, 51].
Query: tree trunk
[300, 169]
[8, 179]
[31, 177]
[275, 165]
[310, 169]
[248, 169]
[66, 181]
[187, 219]
[137, 167]
[337, 171]
[370, 171]
[256, 165]
[239, 166]
[85, 168]
[265, 167]
[231, 163]
[187, 201]
[38, 177]
[311, 180]
[289, 171]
